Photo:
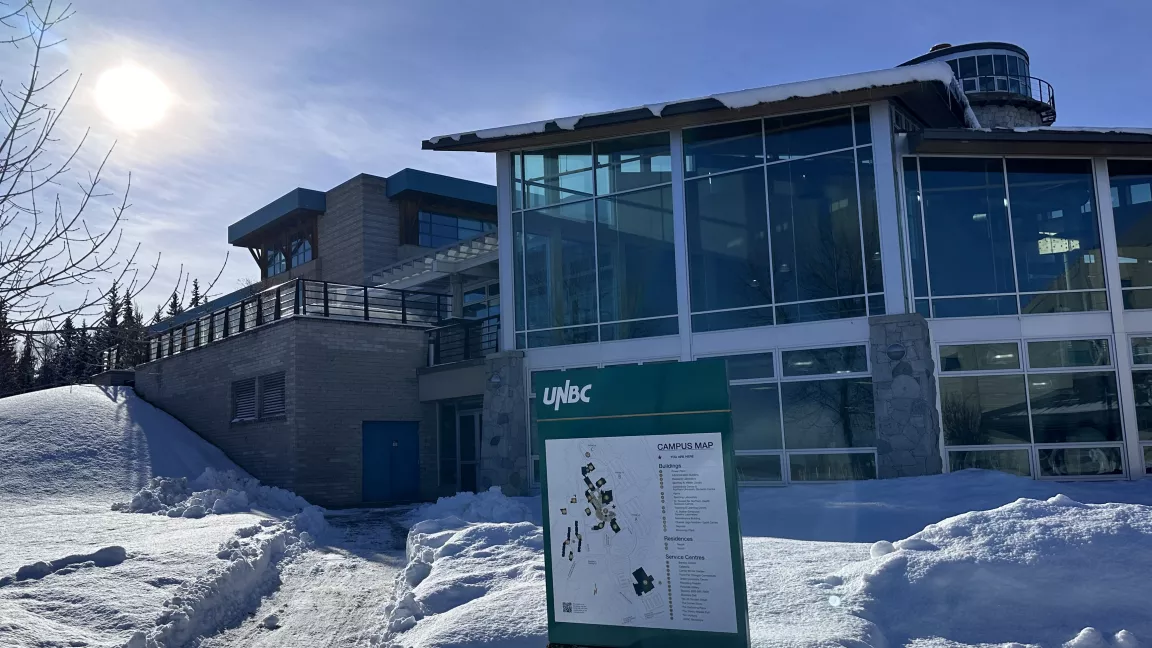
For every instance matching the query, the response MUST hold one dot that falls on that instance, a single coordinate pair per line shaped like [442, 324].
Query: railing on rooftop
[465, 339]
[298, 298]
[1026, 86]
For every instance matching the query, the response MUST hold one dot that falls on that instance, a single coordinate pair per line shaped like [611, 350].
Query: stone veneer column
[504, 447]
[904, 386]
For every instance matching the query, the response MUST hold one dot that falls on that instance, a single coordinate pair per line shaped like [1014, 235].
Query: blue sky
[275, 95]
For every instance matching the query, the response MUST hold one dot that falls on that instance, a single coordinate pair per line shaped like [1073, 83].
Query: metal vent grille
[244, 400]
[272, 395]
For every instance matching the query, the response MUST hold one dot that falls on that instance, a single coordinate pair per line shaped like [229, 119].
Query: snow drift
[213, 491]
[470, 582]
[68, 454]
[94, 443]
[1031, 572]
[486, 506]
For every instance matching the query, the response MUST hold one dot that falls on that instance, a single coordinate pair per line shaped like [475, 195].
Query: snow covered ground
[967, 559]
[74, 572]
[213, 559]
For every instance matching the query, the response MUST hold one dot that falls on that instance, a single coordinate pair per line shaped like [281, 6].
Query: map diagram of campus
[608, 563]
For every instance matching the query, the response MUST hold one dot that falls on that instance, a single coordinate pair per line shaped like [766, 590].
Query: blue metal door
[391, 461]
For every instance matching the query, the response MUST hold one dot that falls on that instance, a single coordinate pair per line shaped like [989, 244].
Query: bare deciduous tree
[48, 239]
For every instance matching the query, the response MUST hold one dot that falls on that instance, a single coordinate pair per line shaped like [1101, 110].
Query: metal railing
[463, 340]
[1026, 86]
[299, 298]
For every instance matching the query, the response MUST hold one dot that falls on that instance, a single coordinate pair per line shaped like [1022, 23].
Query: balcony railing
[463, 340]
[1025, 86]
[297, 298]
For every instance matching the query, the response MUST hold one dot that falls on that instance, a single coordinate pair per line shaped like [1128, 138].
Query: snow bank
[469, 585]
[486, 506]
[1039, 572]
[94, 443]
[227, 592]
[106, 557]
[214, 491]
[474, 575]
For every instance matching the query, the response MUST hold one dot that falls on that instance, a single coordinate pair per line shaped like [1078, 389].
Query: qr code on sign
[568, 608]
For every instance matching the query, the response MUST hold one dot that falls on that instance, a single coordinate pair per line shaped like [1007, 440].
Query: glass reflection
[828, 413]
[984, 410]
[1074, 407]
[1054, 224]
[636, 252]
[816, 247]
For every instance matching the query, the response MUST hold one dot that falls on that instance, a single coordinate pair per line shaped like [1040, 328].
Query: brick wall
[196, 388]
[349, 372]
[360, 231]
[338, 374]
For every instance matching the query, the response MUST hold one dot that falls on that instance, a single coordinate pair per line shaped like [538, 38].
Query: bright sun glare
[132, 97]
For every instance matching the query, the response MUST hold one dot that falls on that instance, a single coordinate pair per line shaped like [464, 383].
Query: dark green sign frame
[638, 400]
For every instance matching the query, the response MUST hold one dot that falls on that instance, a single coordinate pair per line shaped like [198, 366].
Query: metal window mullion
[680, 245]
[1011, 232]
[921, 197]
[768, 222]
[1121, 358]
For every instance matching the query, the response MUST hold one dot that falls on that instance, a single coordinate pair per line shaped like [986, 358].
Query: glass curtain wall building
[866, 265]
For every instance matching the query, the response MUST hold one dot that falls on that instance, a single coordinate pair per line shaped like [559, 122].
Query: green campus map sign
[641, 522]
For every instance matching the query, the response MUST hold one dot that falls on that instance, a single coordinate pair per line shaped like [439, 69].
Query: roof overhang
[248, 231]
[1033, 141]
[929, 91]
[410, 182]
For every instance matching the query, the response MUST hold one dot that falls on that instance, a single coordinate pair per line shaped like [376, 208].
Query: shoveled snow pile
[1033, 572]
[213, 491]
[229, 591]
[94, 443]
[486, 506]
[469, 584]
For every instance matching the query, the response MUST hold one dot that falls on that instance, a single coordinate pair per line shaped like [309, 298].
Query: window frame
[915, 302]
[1034, 447]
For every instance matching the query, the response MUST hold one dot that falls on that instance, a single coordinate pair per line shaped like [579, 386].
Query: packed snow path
[333, 595]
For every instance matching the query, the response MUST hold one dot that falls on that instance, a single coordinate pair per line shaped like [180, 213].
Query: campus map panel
[639, 528]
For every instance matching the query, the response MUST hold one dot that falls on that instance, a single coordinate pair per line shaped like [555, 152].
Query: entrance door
[391, 470]
[468, 430]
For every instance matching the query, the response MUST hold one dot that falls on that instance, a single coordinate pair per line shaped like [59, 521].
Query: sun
[132, 97]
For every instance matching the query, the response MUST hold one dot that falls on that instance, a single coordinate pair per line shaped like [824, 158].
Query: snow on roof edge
[923, 72]
[1079, 129]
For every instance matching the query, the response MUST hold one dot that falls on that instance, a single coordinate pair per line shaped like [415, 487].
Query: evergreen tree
[110, 336]
[67, 367]
[49, 374]
[133, 335]
[158, 316]
[86, 357]
[8, 375]
[196, 299]
[174, 307]
[26, 366]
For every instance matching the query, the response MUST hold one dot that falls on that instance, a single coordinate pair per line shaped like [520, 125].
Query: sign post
[641, 526]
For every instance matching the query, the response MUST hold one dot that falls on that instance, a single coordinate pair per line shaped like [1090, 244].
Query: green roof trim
[294, 202]
[434, 184]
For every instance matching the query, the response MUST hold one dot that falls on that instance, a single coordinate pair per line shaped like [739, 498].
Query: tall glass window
[1055, 415]
[781, 219]
[301, 252]
[1002, 237]
[1142, 388]
[813, 420]
[1131, 184]
[593, 246]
